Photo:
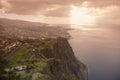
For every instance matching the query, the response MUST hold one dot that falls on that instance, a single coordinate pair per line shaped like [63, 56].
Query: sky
[62, 11]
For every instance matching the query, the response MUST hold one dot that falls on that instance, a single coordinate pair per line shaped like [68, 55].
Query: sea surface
[99, 48]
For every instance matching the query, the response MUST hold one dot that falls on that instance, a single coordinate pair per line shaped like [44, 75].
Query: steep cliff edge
[49, 59]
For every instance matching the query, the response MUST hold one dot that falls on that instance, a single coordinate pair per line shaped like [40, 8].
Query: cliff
[49, 59]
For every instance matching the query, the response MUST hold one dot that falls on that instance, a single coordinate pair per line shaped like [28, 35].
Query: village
[14, 50]
[9, 47]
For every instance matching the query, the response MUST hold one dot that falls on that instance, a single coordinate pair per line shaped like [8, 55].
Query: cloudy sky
[62, 11]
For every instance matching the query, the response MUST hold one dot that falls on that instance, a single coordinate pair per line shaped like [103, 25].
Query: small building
[19, 68]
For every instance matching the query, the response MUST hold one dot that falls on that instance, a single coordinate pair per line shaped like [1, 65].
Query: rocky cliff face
[68, 66]
[49, 59]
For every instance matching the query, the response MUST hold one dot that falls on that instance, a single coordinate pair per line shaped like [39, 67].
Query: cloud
[5, 6]
[52, 8]
[109, 15]
[0, 5]
[103, 3]
[58, 12]
[35, 6]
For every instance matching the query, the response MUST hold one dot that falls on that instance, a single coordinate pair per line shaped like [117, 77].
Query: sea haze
[99, 48]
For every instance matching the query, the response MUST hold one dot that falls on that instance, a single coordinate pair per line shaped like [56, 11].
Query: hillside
[31, 30]
[48, 59]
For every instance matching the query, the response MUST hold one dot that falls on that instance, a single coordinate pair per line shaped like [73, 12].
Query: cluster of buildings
[23, 69]
[7, 45]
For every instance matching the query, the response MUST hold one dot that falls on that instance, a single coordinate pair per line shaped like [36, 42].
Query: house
[19, 68]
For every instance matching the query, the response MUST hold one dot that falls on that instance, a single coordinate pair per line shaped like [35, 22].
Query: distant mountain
[24, 29]
[19, 22]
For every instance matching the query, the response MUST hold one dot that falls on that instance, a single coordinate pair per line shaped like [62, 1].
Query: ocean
[98, 47]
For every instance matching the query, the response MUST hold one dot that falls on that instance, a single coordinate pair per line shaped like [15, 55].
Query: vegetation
[18, 55]
[69, 77]
[46, 59]
[38, 66]
[3, 64]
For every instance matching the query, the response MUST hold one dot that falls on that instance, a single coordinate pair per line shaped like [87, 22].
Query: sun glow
[81, 16]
